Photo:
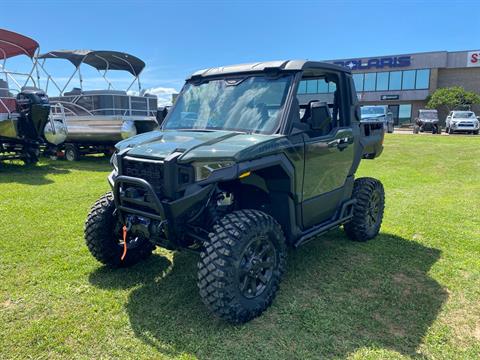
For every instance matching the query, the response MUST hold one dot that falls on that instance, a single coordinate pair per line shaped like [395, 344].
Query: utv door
[328, 160]
[329, 156]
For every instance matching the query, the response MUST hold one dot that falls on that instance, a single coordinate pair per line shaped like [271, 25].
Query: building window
[408, 80]
[302, 87]
[423, 79]
[405, 113]
[370, 80]
[382, 81]
[311, 86]
[395, 82]
[358, 80]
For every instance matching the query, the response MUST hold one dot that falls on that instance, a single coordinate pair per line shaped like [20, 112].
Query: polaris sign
[377, 63]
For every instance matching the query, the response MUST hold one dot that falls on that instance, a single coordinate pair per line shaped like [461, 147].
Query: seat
[8, 105]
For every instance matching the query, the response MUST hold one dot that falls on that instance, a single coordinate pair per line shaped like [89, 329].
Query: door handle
[340, 144]
[334, 143]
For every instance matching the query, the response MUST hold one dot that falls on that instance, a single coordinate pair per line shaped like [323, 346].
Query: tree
[452, 98]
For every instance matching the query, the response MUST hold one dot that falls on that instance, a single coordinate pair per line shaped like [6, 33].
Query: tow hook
[126, 228]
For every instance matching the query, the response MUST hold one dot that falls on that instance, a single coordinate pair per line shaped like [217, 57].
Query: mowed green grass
[414, 291]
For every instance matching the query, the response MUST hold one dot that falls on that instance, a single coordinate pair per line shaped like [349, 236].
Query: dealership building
[403, 82]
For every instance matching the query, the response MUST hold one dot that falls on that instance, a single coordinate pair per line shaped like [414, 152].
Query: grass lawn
[414, 291]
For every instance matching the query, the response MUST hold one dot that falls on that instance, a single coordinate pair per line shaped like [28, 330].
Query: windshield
[373, 110]
[462, 114]
[251, 104]
[428, 115]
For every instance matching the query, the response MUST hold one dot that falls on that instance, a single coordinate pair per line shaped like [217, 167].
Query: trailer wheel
[367, 211]
[72, 153]
[241, 267]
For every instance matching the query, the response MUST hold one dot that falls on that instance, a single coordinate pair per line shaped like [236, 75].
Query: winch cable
[124, 242]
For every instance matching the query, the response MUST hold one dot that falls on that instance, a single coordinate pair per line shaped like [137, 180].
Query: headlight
[204, 169]
[114, 161]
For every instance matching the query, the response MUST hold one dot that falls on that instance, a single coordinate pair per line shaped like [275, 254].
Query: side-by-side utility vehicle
[239, 170]
[427, 120]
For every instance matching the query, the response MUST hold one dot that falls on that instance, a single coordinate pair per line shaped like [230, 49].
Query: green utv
[240, 169]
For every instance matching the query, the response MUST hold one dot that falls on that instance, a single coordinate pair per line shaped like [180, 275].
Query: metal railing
[128, 111]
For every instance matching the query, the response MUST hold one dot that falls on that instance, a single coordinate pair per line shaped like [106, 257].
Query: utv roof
[100, 60]
[13, 44]
[281, 65]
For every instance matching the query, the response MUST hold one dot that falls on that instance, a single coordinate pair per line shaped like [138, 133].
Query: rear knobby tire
[367, 211]
[103, 236]
[244, 245]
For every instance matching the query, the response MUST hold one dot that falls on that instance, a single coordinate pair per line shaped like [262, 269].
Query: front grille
[466, 124]
[149, 170]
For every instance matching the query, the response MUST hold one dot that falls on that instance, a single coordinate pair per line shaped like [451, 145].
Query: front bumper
[465, 127]
[136, 196]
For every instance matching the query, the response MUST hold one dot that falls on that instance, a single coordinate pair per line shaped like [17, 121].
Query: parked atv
[239, 171]
[427, 121]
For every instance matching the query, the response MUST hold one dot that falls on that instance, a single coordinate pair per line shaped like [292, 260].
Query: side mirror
[478, 117]
[320, 115]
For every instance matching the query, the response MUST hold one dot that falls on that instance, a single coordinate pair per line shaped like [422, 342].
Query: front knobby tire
[367, 211]
[103, 236]
[241, 267]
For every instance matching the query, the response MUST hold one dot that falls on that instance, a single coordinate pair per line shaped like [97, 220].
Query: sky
[176, 38]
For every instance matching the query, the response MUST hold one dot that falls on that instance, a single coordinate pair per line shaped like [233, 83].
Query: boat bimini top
[11, 45]
[101, 60]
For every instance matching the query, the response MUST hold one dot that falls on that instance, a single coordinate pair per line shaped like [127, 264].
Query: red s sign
[473, 58]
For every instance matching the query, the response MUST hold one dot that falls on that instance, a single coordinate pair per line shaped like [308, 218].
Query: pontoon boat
[97, 119]
[24, 112]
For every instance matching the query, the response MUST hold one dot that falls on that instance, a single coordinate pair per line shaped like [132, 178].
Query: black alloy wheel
[257, 266]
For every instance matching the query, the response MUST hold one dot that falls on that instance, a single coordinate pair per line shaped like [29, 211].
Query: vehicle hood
[199, 145]
[470, 119]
